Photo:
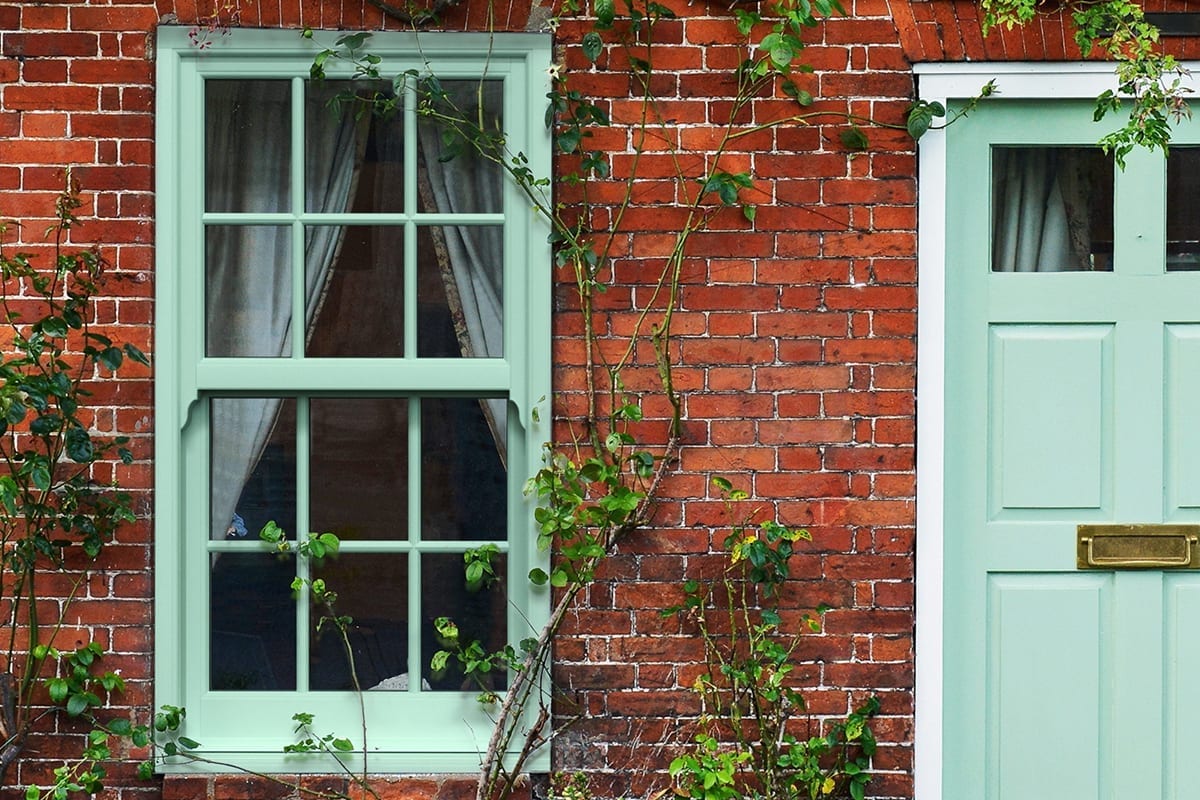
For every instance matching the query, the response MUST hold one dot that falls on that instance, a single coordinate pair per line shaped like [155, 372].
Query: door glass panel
[358, 478]
[247, 146]
[372, 590]
[463, 479]
[1052, 209]
[1183, 198]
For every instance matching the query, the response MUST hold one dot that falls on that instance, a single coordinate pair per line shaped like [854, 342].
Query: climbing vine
[1152, 85]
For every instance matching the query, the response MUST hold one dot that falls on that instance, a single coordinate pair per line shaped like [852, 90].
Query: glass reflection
[247, 145]
[1183, 197]
[463, 477]
[356, 295]
[248, 291]
[372, 589]
[252, 639]
[253, 466]
[358, 469]
[478, 609]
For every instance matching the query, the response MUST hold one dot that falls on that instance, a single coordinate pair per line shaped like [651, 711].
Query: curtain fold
[471, 257]
[249, 280]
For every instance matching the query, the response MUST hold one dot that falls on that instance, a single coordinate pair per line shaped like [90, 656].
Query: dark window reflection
[253, 632]
[372, 590]
[1183, 199]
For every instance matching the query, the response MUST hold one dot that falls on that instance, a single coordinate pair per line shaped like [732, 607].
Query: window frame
[184, 377]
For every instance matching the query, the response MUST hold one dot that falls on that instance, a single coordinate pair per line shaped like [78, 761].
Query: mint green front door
[1072, 397]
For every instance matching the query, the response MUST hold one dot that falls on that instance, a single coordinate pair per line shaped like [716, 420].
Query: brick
[63, 98]
[44, 71]
[114, 18]
[29, 45]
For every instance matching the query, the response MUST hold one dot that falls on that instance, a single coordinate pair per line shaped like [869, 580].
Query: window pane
[248, 291]
[247, 145]
[1052, 209]
[1183, 196]
[253, 466]
[372, 589]
[253, 630]
[358, 469]
[463, 479]
[460, 295]
[455, 178]
[478, 609]
[353, 158]
[355, 285]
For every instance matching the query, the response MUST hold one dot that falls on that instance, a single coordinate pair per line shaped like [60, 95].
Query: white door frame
[942, 82]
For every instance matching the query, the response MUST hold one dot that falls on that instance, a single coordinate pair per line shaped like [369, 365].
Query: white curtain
[248, 282]
[1040, 215]
[457, 181]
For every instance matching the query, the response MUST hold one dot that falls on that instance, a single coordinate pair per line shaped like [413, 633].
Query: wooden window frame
[445, 731]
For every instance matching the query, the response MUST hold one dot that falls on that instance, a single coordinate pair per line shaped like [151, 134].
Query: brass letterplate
[1148, 546]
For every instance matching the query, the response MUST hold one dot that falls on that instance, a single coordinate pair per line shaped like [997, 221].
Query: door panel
[1053, 387]
[1071, 398]
[1181, 433]
[1034, 699]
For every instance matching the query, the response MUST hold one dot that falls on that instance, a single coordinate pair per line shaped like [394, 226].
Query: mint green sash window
[352, 331]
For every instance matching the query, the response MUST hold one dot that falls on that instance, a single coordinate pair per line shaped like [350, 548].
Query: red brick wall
[796, 348]
[796, 344]
[76, 87]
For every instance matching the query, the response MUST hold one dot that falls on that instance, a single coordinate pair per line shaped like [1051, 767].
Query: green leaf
[605, 13]
[446, 628]
[592, 46]
[111, 358]
[79, 446]
[32, 793]
[853, 138]
[190, 744]
[136, 354]
[54, 327]
[919, 120]
[342, 745]
[45, 424]
[145, 771]
[558, 579]
[58, 689]
[568, 140]
[121, 727]
[538, 576]
[40, 476]
[77, 704]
